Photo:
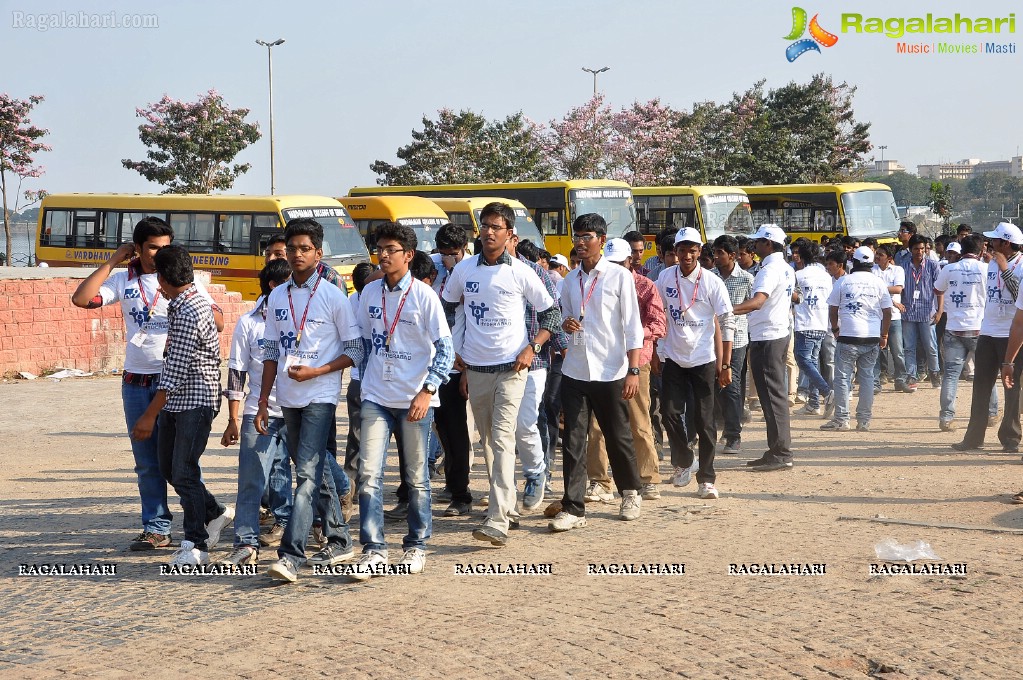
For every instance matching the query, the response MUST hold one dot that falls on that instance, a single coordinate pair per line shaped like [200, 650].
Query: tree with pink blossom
[644, 138]
[583, 143]
[19, 143]
[191, 145]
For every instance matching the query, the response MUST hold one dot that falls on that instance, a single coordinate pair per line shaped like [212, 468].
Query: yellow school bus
[226, 235]
[858, 209]
[554, 205]
[713, 210]
[423, 215]
[465, 212]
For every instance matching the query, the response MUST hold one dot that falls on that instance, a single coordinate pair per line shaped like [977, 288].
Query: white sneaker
[630, 506]
[217, 525]
[598, 494]
[564, 521]
[369, 565]
[811, 411]
[682, 476]
[282, 570]
[414, 560]
[189, 555]
[707, 491]
[650, 492]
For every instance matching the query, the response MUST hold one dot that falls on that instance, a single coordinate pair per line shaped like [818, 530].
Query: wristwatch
[633, 371]
[430, 387]
[537, 347]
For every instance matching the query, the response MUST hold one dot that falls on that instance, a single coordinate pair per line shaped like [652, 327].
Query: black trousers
[453, 430]
[768, 360]
[987, 369]
[687, 394]
[353, 399]
[580, 399]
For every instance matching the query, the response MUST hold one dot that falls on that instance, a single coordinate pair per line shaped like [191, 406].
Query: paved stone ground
[68, 495]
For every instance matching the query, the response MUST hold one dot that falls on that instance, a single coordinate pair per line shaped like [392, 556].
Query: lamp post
[882, 147]
[270, 73]
[595, 72]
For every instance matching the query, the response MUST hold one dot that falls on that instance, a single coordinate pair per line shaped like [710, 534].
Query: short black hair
[633, 236]
[276, 238]
[964, 228]
[666, 241]
[908, 225]
[151, 226]
[727, 243]
[836, 255]
[917, 238]
[870, 242]
[404, 235]
[972, 244]
[545, 255]
[849, 242]
[277, 271]
[174, 264]
[590, 222]
[422, 266]
[810, 252]
[749, 245]
[528, 250]
[451, 236]
[360, 273]
[304, 226]
[886, 249]
[501, 210]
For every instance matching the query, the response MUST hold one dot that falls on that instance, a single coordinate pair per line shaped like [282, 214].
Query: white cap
[864, 254]
[688, 235]
[617, 250]
[1007, 232]
[560, 259]
[954, 247]
[772, 232]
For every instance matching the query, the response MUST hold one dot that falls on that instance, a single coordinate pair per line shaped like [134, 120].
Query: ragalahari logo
[817, 35]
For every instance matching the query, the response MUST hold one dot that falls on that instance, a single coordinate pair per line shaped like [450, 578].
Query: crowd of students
[610, 354]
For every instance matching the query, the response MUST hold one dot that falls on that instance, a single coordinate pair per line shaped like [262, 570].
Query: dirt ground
[68, 496]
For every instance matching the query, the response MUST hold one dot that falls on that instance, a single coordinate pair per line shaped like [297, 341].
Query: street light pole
[270, 73]
[882, 147]
[595, 72]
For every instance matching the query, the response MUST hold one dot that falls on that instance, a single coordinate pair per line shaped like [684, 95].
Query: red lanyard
[583, 301]
[145, 302]
[1009, 268]
[696, 291]
[917, 277]
[299, 327]
[383, 305]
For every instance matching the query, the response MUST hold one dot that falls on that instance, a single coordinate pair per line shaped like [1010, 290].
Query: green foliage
[907, 189]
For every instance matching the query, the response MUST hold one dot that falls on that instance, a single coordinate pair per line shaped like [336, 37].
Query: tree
[465, 147]
[581, 144]
[192, 144]
[644, 137]
[907, 189]
[941, 202]
[19, 143]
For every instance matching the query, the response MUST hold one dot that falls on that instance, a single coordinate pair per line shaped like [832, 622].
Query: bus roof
[474, 202]
[697, 190]
[394, 207]
[564, 184]
[842, 187]
[185, 201]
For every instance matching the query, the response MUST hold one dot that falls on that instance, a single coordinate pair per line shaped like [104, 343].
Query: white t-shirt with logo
[137, 294]
[329, 324]
[860, 298]
[964, 284]
[494, 299]
[811, 312]
[1001, 306]
[776, 280]
[247, 355]
[893, 276]
[691, 304]
[395, 372]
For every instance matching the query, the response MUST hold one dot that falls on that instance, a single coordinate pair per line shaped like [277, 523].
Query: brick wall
[41, 330]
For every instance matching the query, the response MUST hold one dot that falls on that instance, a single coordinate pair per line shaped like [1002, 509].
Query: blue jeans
[913, 332]
[256, 457]
[849, 359]
[896, 352]
[377, 424]
[277, 495]
[183, 439]
[807, 349]
[156, 514]
[954, 349]
[308, 429]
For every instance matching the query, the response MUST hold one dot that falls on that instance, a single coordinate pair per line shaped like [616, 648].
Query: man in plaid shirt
[187, 400]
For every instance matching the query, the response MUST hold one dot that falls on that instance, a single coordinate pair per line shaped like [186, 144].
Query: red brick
[6, 316]
[41, 314]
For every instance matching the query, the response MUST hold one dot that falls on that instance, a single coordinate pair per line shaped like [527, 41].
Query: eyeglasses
[583, 238]
[299, 249]
[390, 252]
[491, 227]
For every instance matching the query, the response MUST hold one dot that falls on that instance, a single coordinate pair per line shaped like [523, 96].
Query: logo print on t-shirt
[992, 293]
[374, 312]
[812, 300]
[958, 297]
[287, 340]
[671, 292]
[854, 307]
[131, 294]
[676, 313]
[479, 310]
[472, 286]
[281, 314]
[139, 315]
[379, 340]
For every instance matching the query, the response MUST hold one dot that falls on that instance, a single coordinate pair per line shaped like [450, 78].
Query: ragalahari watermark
[45, 21]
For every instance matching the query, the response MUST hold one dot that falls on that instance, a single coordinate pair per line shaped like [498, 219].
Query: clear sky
[354, 77]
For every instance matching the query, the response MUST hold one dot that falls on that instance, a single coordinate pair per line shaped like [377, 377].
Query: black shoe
[458, 508]
[772, 465]
[1010, 448]
[963, 446]
[763, 460]
[442, 496]
[935, 380]
[485, 532]
[513, 523]
[398, 512]
[435, 471]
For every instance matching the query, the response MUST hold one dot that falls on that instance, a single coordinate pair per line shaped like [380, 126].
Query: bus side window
[234, 233]
[111, 229]
[55, 228]
[550, 222]
[202, 232]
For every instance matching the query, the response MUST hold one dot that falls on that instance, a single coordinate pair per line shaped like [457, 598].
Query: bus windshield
[525, 227]
[340, 235]
[726, 214]
[614, 205]
[426, 230]
[870, 213]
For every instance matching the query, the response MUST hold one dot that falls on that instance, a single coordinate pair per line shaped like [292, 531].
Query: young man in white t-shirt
[408, 355]
[894, 277]
[311, 336]
[810, 326]
[145, 320]
[961, 289]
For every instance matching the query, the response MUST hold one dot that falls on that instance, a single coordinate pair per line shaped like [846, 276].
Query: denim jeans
[256, 455]
[954, 349]
[308, 429]
[894, 351]
[183, 439]
[849, 359]
[277, 495]
[808, 349]
[156, 514]
[528, 444]
[729, 399]
[827, 358]
[914, 332]
[377, 424]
